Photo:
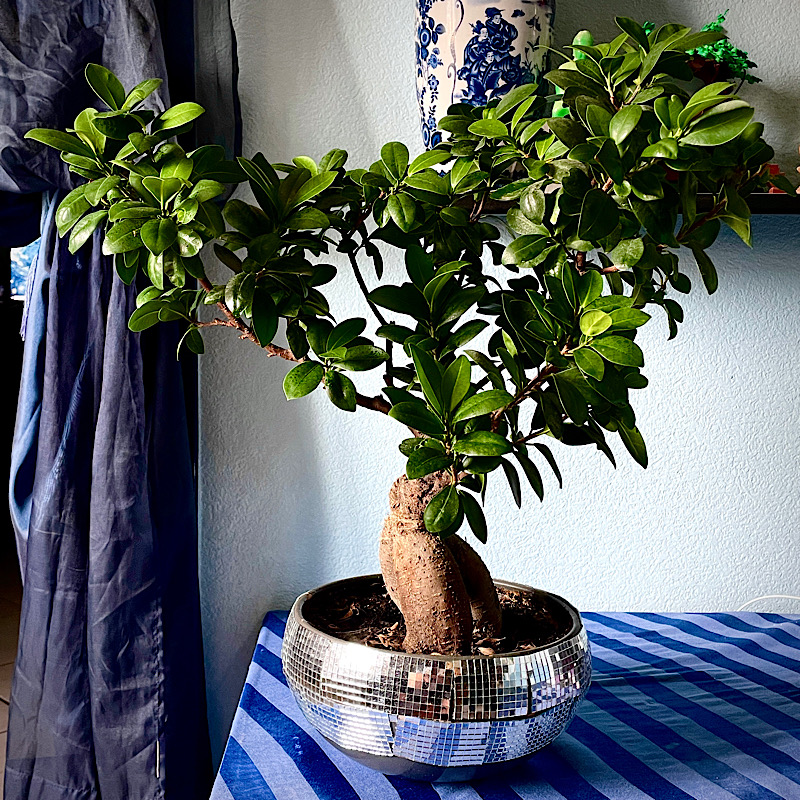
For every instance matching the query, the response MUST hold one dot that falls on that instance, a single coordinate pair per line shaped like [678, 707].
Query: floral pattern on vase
[473, 52]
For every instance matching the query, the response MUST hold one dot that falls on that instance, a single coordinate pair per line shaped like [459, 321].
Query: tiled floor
[10, 601]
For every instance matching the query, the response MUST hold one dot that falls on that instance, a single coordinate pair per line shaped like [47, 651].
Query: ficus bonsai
[599, 204]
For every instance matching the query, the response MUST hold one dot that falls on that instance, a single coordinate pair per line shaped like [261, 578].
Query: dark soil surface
[361, 611]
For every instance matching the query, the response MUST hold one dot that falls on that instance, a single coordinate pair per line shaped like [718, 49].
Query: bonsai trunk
[442, 587]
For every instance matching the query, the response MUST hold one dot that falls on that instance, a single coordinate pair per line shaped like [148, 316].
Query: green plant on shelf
[489, 349]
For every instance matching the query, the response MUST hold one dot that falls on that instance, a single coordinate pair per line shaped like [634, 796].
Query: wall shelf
[760, 203]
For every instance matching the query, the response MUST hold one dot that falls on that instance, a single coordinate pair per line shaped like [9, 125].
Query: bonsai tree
[506, 332]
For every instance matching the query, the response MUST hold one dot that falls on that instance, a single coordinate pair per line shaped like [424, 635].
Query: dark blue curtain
[108, 693]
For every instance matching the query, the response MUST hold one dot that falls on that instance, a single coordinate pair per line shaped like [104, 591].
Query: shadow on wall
[266, 522]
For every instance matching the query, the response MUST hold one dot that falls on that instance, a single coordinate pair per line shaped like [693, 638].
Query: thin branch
[231, 321]
[526, 391]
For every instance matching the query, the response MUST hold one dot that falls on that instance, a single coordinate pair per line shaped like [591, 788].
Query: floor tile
[6, 671]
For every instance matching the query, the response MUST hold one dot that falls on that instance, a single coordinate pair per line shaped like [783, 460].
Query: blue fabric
[108, 693]
[681, 707]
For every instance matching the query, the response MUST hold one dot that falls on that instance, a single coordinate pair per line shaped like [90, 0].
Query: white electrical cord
[768, 597]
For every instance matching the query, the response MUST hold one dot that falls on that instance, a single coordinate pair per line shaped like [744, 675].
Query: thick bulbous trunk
[441, 587]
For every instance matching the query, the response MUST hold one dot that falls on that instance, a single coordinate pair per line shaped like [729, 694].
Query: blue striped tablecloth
[681, 707]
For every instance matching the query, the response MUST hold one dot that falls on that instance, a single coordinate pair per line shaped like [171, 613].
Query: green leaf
[122, 237]
[306, 219]
[145, 316]
[176, 116]
[456, 382]
[69, 213]
[189, 242]
[402, 210]
[159, 234]
[664, 148]
[548, 455]
[718, 126]
[589, 362]
[619, 350]
[362, 357]
[127, 265]
[482, 443]
[345, 332]
[341, 390]
[490, 128]
[634, 443]
[524, 248]
[84, 229]
[599, 216]
[571, 397]
[628, 252]
[626, 319]
[194, 341]
[623, 123]
[312, 187]
[482, 403]
[206, 189]
[405, 299]
[430, 158]
[513, 481]
[531, 473]
[105, 85]
[707, 270]
[459, 304]
[425, 460]
[65, 142]
[265, 317]
[415, 415]
[634, 30]
[475, 516]
[442, 510]
[594, 322]
[395, 158]
[117, 125]
[98, 189]
[464, 335]
[570, 132]
[141, 92]
[303, 379]
[429, 377]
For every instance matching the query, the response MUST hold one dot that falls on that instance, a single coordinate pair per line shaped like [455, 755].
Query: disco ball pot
[435, 718]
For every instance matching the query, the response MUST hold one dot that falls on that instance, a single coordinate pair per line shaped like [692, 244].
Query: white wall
[293, 494]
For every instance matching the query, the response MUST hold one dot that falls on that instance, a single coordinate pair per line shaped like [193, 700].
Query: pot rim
[575, 629]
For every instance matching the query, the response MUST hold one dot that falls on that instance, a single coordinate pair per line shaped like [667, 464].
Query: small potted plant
[490, 348]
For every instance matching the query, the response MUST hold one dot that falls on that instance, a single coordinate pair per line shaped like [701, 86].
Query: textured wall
[293, 494]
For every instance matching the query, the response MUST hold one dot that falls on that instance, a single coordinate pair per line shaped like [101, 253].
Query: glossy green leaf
[482, 403]
[341, 390]
[475, 516]
[599, 216]
[362, 357]
[313, 186]
[482, 443]
[418, 417]
[590, 363]
[159, 234]
[176, 116]
[623, 123]
[394, 156]
[402, 210]
[707, 269]
[302, 379]
[65, 142]
[425, 460]
[264, 316]
[442, 510]
[490, 128]
[634, 443]
[717, 128]
[123, 236]
[594, 322]
[105, 85]
[456, 382]
[84, 229]
[619, 350]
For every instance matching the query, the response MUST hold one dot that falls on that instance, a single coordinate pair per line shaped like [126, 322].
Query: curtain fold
[108, 697]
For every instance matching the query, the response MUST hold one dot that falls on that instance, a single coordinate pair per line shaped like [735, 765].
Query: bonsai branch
[232, 321]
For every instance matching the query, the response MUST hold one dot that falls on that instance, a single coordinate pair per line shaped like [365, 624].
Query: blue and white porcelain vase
[472, 52]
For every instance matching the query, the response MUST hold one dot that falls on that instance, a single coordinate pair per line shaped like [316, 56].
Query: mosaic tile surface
[443, 711]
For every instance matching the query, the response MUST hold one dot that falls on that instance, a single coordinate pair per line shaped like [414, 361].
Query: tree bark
[441, 587]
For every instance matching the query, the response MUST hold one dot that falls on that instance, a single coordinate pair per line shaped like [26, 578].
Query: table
[681, 707]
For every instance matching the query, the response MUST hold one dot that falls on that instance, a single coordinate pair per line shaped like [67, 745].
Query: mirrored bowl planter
[435, 718]
[472, 52]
